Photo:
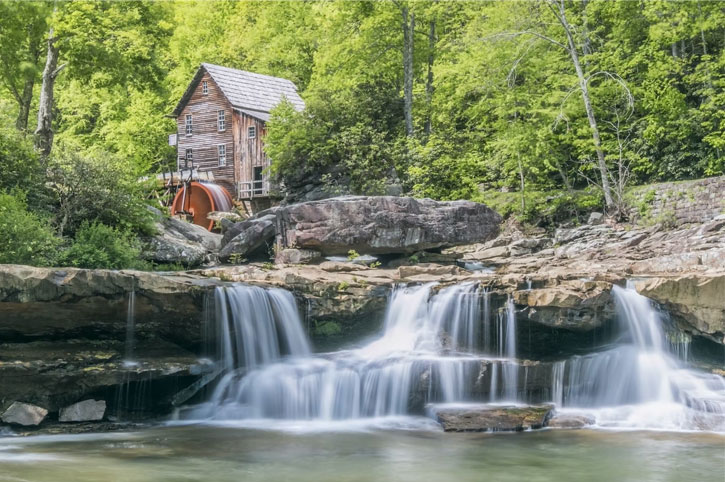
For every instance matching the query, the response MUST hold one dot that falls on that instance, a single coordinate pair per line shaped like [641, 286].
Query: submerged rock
[383, 224]
[560, 420]
[26, 414]
[85, 411]
[486, 418]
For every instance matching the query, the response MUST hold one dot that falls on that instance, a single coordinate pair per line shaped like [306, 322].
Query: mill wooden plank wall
[250, 151]
[206, 136]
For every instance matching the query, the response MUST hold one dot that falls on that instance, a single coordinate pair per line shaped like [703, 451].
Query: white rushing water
[130, 330]
[641, 382]
[447, 347]
[424, 355]
[221, 199]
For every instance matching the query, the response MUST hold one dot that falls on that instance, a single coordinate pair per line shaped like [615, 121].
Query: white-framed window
[222, 151]
[220, 120]
[205, 87]
[251, 132]
[189, 125]
[189, 158]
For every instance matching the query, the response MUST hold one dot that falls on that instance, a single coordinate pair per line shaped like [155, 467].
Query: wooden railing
[252, 189]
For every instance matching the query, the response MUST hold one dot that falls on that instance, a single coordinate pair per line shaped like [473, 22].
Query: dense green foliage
[99, 246]
[25, 237]
[500, 109]
[99, 189]
[20, 166]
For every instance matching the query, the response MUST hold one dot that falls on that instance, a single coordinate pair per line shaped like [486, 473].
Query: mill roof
[249, 92]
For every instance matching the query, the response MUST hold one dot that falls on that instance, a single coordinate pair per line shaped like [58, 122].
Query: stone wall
[678, 203]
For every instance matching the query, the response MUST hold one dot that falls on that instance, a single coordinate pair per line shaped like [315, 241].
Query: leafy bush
[25, 238]
[544, 207]
[103, 189]
[346, 141]
[19, 163]
[99, 246]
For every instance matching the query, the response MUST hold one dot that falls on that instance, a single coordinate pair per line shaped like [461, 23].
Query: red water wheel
[198, 199]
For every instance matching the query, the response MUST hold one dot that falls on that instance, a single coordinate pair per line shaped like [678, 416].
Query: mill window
[189, 125]
[221, 121]
[222, 151]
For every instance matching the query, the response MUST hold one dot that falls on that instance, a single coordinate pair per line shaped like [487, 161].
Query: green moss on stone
[327, 328]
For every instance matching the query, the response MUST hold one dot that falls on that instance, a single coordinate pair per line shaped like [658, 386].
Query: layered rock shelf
[64, 332]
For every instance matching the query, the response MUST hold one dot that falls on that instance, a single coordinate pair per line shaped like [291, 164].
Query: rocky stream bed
[64, 333]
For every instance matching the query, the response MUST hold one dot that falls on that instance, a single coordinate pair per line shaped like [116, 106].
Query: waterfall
[640, 382]
[257, 326]
[423, 355]
[446, 346]
[507, 351]
[130, 328]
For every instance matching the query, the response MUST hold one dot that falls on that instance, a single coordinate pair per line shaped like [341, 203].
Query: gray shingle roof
[251, 93]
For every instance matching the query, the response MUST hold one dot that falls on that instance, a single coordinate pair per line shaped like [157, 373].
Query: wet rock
[489, 253]
[54, 374]
[494, 418]
[47, 303]
[85, 411]
[297, 256]
[528, 245]
[245, 238]
[19, 413]
[428, 270]
[560, 420]
[696, 299]
[574, 305]
[383, 224]
[340, 267]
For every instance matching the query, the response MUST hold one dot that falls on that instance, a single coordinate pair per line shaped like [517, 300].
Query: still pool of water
[229, 453]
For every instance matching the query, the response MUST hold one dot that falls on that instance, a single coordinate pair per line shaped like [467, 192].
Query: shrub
[19, 163]
[545, 207]
[25, 237]
[99, 246]
[102, 189]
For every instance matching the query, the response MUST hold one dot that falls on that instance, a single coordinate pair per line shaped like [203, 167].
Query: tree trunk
[26, 98]
[523, 186]
[44, 130]
[408, 29]
[574, 53]
[562, 173]
[429, 81]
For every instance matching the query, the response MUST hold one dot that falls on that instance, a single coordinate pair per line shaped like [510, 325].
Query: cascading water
[424, 355]
[130, 329]
[640, 382]
[445, 347]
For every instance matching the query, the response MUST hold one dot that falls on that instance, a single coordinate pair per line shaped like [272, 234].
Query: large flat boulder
[85, 411]
[383, 224]
[494, 418]
[180, 242]
[19, 413]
